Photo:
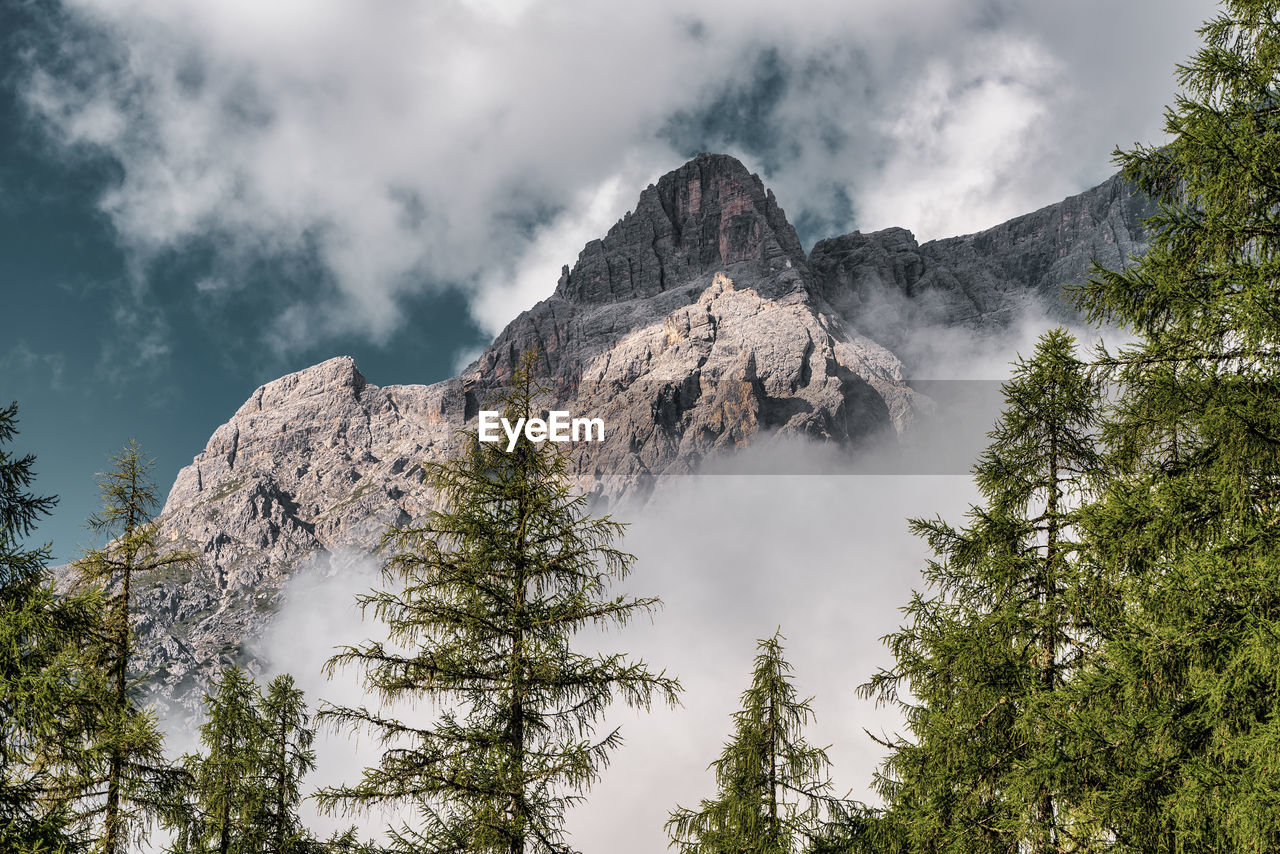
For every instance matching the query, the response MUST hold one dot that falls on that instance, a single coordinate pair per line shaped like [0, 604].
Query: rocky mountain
[697, 325]
[898, 291]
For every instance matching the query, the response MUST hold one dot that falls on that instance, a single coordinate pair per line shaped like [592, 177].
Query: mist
[734, 557]
[825, 558]
[787, 534]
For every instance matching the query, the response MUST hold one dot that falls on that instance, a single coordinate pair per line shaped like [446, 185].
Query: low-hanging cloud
[378, 151]
[828, 559]
[319, 616]
[734, 557]
[786, 534]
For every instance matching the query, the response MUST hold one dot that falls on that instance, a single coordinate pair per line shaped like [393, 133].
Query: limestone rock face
[695, 327]
[893, 289]
[709, 215]
[313, 462]
[714, 374]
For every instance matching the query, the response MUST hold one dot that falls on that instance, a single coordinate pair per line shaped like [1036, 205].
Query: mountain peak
[709, 215]
[693, 328]
[338, 373]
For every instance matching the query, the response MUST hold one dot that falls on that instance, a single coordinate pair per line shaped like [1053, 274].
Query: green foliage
[774, 787]
[226, 786]
[132, 781]
[980, 661]
[858, 829]
[344, 842]
[48, 691]
[19, 509]
[288, 758]
[484, 599]
[245, 789]
[1178, 723]
[1136, 708]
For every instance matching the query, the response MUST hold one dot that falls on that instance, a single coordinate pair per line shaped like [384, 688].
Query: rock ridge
[895, 290]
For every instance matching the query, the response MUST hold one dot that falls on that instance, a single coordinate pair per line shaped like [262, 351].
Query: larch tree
[481, 604]
[50, 696]
[1180, 722]
[135, 781]
[1006, 624]
[226, 798]
[246, 785]
[287, 757]
[774, 788]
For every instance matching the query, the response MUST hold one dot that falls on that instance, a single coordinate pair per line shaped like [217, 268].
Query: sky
[197, 198]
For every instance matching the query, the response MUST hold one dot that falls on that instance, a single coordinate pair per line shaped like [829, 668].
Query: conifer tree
[49, 696]
[1178, 723]
[980, 661]
[485, 598]
[135, 781]
[246, 785]
[287, 758]
[774, 788]
[345, 842]
[226, 793]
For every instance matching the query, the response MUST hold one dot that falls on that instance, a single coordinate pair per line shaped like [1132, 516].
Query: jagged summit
[709, 215]
[340, 372]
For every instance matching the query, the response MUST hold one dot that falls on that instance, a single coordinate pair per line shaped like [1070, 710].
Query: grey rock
[709, 215]
[312, 463]
[894, 290]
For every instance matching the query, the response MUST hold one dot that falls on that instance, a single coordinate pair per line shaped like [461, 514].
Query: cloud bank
[373, 152]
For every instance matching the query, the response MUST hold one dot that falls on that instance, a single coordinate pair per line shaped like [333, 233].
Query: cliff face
[694, 324]
[895, 290]
[312, 462]
[694, 327]
[708, 216]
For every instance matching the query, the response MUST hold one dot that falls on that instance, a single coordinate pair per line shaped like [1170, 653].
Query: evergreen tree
[485, 597]
[135, 781]
[246, 786]
[1179, 724]
[226, 794]
[48, 694]
[774, 787]
[981, 660]
[287, 758]
[344, 842]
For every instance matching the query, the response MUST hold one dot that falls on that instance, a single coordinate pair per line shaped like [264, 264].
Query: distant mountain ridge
[889, 285]
[694, 327]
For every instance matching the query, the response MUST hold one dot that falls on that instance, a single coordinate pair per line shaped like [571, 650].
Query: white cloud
[507, 290]
[478, 144]
[25, 364]
[826, 558]
[320, 608]
[962, 138]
